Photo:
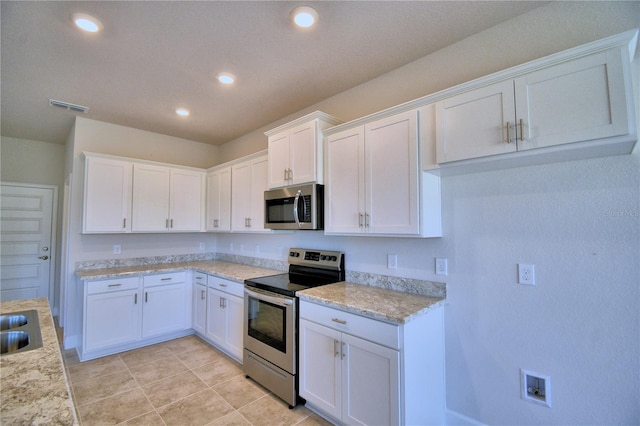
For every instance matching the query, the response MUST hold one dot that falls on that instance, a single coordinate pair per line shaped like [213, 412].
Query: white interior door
[26, 224]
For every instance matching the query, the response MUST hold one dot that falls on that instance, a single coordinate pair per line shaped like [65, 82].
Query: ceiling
[155, 56]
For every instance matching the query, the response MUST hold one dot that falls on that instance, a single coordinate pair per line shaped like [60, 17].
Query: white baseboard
[455, 418]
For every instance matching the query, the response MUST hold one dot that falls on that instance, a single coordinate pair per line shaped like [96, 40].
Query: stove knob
[334, 258]
[323, 257]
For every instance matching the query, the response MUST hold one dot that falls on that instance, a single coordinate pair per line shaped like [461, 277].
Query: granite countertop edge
[232, 271]
[386, 305]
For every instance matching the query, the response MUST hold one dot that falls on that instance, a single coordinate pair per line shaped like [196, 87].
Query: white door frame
[54, 242]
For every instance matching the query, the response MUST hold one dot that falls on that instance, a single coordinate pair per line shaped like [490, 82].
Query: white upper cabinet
[374, 185]
[167, 199]
[583, 99]
[107, 195]
[295, 150]
[219, 200]
[248, 183]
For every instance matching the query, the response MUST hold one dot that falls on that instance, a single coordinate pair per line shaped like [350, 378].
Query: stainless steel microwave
[298, 207]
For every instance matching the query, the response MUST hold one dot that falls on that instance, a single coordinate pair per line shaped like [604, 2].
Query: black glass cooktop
[289, 283]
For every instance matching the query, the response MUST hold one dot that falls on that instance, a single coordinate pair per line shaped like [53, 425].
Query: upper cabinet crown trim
[628, 40]
[140, 161]
[305, 119]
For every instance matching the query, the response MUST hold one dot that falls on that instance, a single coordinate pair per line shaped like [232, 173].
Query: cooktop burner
[307, 268]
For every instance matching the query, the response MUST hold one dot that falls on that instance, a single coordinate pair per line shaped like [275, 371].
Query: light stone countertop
[231, 271]
[33, 384]
[374, 302]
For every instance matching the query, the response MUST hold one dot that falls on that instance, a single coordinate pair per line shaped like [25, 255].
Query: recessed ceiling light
[225, 78]
[87, 22]
[304, 16]
[182, 112]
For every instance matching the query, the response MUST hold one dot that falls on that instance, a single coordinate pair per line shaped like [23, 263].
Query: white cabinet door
[216, 317]
[345, 185]
[279, 160]
[240, 196]
[151, 188]
[111, 319]
[391, 181]
[321, 367]
[576, 101]
[186, 211]
[248, 183]
[165, 309]
[225, 321]
[234, 308]
[370, 382]
[199, 308]
[219, 200]
[107, 195]
[474, 124]
[302, 153]
[259, 172]
[372, 178]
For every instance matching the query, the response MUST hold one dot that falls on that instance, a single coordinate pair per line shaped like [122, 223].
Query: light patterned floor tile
[104, 386]
[199, 357]
[219, 371]
[158, 370]
[240, 391]
[199, 409]
[186, 344]
[116, 409]
[271, 411]
[173, 388]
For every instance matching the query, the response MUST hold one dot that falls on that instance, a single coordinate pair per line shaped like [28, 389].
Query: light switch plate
[441, 267]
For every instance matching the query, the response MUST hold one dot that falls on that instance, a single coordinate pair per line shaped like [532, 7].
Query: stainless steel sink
[19, 332]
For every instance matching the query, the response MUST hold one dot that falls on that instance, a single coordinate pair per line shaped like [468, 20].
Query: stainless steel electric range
[270, 353]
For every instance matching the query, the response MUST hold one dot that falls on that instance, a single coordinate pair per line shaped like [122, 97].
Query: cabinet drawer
[115, 284]
[199, 278]
[225, 285]
[366, 328]
[162, 279]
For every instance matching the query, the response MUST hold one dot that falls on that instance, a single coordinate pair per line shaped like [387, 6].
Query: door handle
[43, 257]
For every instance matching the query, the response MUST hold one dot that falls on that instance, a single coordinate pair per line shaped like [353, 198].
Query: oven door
[270, 327]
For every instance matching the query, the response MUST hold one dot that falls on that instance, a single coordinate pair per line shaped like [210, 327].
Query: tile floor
[181, 382]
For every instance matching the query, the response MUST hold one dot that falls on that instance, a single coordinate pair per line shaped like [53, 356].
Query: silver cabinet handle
[360, 216]
[135, 299]
[339, 321]
[215, 223]
[508, 132]
[285, 174]
[342, 350]
[115, 285]
[202, 294]
[336, 349]
[146, 297]
[45, 248]
[166, 223]
[521, 130]
[222, 285]
[171, 222]
[366, 220]
[166, 279]
[124, 222]
[44, 257]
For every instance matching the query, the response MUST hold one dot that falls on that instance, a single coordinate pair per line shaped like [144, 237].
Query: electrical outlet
[392, 261]
[441, 267]
[117, 249]
[526, 274]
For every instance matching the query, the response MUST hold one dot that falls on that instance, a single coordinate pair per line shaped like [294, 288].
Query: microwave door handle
[295, 208]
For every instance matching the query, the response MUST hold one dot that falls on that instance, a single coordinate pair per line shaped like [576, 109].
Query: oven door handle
[276, 300]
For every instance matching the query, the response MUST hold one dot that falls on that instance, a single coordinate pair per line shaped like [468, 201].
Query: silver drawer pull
[166, 279]
[198, 278]
[222, 285]
[115, 285]
[339, 321]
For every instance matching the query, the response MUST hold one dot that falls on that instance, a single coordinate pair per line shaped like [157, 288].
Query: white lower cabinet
[225, 306]
[112, 313]
[199, 303]
[166, 305]
[357, 370]
[124, 313]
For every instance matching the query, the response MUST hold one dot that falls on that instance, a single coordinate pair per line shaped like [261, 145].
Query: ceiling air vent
[68, 106]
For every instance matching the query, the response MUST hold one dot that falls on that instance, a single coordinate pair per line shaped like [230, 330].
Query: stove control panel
[317, 258]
